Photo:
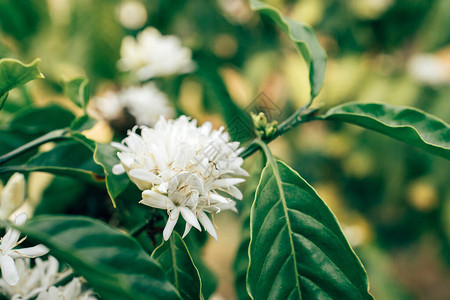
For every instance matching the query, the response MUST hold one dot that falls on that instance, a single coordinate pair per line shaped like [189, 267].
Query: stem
[302, 115]
[51, 136]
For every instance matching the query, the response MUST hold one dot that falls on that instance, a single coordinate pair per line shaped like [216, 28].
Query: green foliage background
[394, 199]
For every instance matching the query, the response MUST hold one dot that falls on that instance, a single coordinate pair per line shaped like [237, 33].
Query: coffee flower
[187, 170]
[12, 195]
[71, 291]
[154, 55]
[145, 103]
[7, 252]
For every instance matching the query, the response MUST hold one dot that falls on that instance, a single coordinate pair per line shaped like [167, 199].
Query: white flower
[33, 280]
[145, 103]
[7, 252]
[153, 55]
[12, 195]
[71, 291]
[429, 69]
[183, 169]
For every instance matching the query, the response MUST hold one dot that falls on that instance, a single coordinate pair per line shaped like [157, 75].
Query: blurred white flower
[154, 55]
[145, 103]
[7, 252]
[429, 69]
[71, 291]
[33, 280]
[12, 195]
[183, 169]
[132, 14]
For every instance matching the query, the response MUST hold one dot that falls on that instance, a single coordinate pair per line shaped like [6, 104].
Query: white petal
[143, 174]
[218, 198]
[12, 235]
[119, 146]
[118, 169]
[9, 270]
[171, 222]
[156, 200]
[163, 187]
[12, 195]
[235, 192]
[190, 218]
[226, 182]
[206, 222]
[35, 251]
[186, 229]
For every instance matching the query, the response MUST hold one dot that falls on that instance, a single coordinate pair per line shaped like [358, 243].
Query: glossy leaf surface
[304, 39]
[407, 124]
[14, 73]
[297, 249]
[177, 263]
[112, 262]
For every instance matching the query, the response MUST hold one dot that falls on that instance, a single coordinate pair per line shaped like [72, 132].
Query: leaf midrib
[271, 160]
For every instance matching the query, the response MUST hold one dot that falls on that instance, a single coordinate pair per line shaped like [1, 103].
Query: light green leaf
[112, 262]
[297, 249]
[78, 90]
[304, 39]
[176, 261]
[14, 73]
[106, 156]
[409, 125]
[67, 158]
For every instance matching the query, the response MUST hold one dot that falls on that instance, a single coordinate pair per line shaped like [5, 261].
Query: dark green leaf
[238, 122]
[106, 156]
[112, 262]
[67, 158]
[304, 39]
[3, 100]
[297, 249]
[78, 90]
[177, 263]
[40, 120]
[14, 73]
[406, 124]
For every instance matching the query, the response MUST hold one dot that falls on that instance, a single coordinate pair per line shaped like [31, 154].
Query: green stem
[302, 115]
[51, 136]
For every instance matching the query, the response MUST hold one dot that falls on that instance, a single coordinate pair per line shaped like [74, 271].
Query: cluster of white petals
[153, 55]
[12, 195]
[145, 103]
[8, 252]
[183, 169]
[39, 282]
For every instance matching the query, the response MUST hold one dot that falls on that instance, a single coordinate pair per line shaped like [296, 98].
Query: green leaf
[409, 125]
[82, 123]
[3, 100]
[78, 90]
[112, 262]
[106, 156]
[304, 39]
[176, 261]
[238, 122]
[40, 120]
[297, 249]
[14, 73]
[67, 158]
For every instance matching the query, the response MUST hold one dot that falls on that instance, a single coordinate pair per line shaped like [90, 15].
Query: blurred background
[392, 200]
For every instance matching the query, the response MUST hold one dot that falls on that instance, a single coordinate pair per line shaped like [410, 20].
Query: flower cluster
[39, 282]
[154, 55]
[145, 103]
[8, 252]
[183, 169]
